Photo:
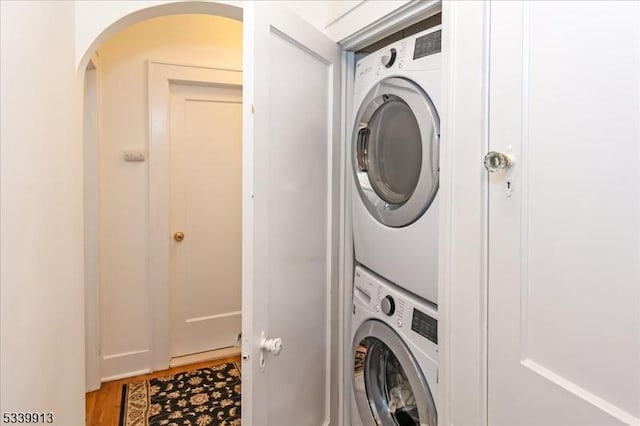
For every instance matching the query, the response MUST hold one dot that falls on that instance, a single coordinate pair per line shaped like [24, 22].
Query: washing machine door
[395, 151]
[389, 387]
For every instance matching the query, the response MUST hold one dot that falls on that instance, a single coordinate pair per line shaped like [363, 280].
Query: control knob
[387, 305]
[389, 57]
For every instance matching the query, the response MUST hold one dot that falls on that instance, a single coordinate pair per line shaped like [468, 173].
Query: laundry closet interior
[386, 180]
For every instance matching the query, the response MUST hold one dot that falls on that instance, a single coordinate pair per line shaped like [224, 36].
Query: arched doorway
[291, 249]
[121, 247]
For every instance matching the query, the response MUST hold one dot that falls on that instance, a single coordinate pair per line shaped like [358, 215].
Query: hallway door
[205, 217]
[564, 218]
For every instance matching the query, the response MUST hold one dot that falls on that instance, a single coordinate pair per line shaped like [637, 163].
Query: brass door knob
[178, 236]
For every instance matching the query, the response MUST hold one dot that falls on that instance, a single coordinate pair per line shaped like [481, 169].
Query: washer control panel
[387, 305]
[394, 306]
[424, 325]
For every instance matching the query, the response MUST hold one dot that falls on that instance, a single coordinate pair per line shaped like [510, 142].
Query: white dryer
[395, 159]
[394, 353]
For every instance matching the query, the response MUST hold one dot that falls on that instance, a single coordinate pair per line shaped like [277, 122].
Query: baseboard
[127, 364]
[205, 356]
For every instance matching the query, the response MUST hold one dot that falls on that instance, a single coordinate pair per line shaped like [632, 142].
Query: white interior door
[206, 198]
[564, 219]
[291, 158]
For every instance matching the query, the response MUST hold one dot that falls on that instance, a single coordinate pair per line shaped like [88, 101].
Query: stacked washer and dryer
[395, 147]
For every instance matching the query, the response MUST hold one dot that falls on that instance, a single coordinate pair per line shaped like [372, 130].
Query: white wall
[337, 19]
[346, 18]
[314, 12]
[337, 9]
[183, 39]
[42, 315]
[96, 19]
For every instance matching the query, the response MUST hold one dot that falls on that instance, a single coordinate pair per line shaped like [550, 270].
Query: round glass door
[389, 387]
[395, 154]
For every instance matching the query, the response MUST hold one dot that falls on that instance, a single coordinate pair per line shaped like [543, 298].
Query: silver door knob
[495, 161]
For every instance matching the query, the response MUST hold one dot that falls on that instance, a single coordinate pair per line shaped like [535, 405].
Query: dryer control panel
[428, 44]
[418, 52]
[417, 58]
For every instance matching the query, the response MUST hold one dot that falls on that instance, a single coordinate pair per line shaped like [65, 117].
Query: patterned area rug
[208, 396]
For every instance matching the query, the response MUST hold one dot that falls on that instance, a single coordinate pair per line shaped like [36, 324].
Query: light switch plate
[134, 155]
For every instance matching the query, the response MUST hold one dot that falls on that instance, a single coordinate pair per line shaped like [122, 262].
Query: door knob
[273, 346]
[178, 236]
[495, 161]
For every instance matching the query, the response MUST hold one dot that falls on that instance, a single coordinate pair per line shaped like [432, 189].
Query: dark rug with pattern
[207, 396]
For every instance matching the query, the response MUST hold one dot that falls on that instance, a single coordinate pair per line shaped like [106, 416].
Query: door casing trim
[160, 77]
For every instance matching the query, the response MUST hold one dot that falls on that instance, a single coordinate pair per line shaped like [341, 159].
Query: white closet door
[564, 219]
[291, 160]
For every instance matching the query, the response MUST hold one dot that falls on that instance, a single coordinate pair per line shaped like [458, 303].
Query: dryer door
[395, 151]
[389, 387]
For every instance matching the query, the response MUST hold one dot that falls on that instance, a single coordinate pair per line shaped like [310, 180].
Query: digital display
[428, 44]
[425, 326]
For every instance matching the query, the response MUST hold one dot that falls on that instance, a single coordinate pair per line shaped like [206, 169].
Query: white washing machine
[395, 355]
[395, 158]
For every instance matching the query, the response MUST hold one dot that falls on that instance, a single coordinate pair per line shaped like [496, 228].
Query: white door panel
[297, 229]
[206, 168]
[564, 240]
[291, 140]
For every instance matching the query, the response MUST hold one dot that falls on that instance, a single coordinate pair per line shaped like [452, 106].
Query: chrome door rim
[403, 214]
[424, 400]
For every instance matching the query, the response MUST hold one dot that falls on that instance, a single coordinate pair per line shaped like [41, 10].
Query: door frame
[463, 275]
[91, 201]
[402, 17]
[462, 284]
[160, 77]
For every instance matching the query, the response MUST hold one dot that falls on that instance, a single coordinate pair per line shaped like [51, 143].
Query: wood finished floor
[103, 405]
